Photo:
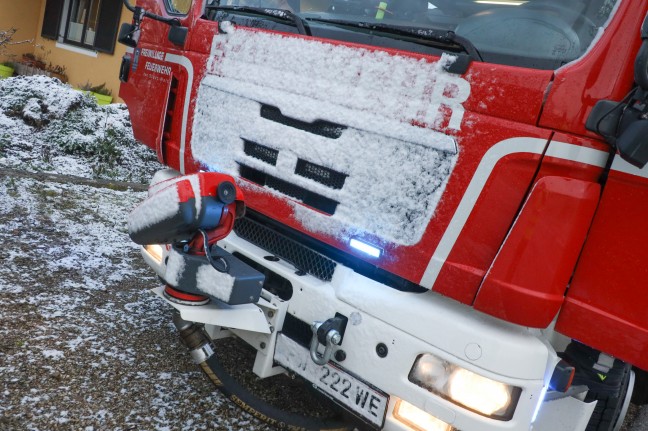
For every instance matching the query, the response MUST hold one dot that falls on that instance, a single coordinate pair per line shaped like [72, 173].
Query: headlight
[477, 393]
[155, 250]
[418, 419]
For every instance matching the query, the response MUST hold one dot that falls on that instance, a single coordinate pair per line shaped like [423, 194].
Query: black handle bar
[139, 13]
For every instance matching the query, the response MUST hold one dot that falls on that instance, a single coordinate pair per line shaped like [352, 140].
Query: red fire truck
[430, 211]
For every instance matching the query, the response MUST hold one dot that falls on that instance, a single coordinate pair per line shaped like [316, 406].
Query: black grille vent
[309, 198]
[301, 257]
[322, 175]
[295, 246]
[317, 127]
[260, 152]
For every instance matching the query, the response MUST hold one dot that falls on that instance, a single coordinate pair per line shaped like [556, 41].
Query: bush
[67, 124]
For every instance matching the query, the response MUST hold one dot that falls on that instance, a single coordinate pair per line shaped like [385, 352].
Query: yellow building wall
[81, 68]
[21, 15]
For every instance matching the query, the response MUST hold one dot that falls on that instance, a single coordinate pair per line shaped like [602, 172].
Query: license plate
[354, 394]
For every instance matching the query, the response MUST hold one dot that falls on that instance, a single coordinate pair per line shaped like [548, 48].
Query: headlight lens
[477, 393]
[418, 419]
[155, 250]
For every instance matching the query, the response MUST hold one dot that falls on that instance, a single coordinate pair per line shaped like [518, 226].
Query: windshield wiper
[443, 38]
[280, 14]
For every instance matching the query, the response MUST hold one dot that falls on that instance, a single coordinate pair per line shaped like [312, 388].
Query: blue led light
[540, 401]
[365, 248]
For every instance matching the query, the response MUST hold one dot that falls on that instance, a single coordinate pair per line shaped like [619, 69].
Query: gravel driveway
[83, 344]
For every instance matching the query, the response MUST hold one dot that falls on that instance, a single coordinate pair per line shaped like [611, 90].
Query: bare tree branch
[6, 40]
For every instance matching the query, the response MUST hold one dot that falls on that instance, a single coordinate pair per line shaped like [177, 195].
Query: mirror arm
[139, 13]
[128, 6]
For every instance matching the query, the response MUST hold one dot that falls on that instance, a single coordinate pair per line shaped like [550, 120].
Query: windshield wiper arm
[281, 14]
[445, 38]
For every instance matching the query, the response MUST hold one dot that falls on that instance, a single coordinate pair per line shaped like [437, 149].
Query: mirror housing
[128, 35]
[178, 35]
[604, 118]
[633, 144]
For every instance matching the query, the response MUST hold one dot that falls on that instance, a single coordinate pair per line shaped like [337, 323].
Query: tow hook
[195, 338]
[329, 333]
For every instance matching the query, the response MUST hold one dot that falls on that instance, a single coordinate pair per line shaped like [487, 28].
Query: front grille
[302, 257]
[260, 152]
[310, 255]
[321, 174]
[318, 127]
[312, 199]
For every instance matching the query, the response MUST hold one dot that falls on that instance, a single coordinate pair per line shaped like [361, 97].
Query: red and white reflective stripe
[498, 151]
[576, 153]
[621, 165]
[186, 63]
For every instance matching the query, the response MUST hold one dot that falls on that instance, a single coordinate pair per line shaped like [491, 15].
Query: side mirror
[604, 118]
[128, 35]
[633, 143]
[178, 35]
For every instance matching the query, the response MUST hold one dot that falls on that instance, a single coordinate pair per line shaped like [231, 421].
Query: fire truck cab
[439, 205]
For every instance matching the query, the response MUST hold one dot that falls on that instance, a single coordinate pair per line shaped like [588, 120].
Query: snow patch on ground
[83, 343]
[53, 354]
[97, 246]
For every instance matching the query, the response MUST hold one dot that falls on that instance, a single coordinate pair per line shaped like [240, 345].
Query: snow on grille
[395, 172]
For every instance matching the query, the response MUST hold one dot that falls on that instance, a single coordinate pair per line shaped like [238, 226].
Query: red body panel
[526, 284]
[575, 165]
[607, 303]
[486, 226]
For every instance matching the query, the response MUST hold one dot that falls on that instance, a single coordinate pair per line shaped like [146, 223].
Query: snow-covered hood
[342, 133]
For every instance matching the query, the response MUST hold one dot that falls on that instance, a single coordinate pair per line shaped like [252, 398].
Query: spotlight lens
[417, 418]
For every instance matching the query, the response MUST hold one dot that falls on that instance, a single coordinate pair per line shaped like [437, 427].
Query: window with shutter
[89, 24]
[109, 14]
[52, 19]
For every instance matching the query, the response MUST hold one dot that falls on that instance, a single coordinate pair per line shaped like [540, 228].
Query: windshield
[542, 34]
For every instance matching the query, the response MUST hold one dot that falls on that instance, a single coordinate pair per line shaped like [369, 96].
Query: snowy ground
[83, 344]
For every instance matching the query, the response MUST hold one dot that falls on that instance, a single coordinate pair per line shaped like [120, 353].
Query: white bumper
[409, 325]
